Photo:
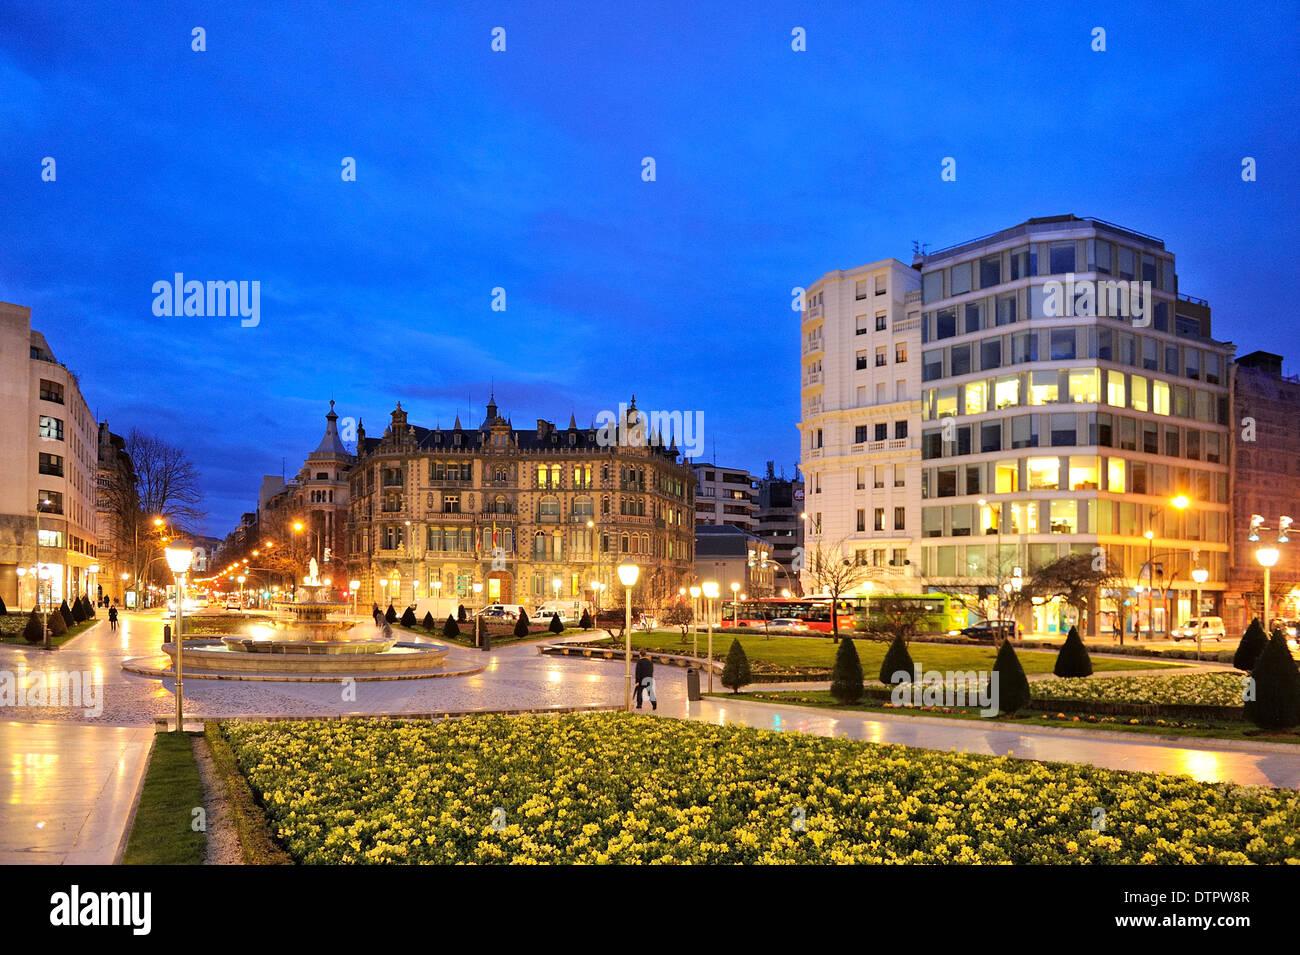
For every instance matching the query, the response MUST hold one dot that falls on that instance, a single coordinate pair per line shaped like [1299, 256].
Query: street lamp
[178, 559]
[241, 578]
[1267, 557]
[627, 575]
[354, 586]
[437, 595]
[695, 619]
[711, 593]
[555, 583]
[735, 605]
[1200, 575]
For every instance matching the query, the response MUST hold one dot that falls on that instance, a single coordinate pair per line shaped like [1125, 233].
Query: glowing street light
[354, 586]
[627, 575]
[695, 592]
[1200, 575]
[1267, 557]
[711, 593]
[179, 559]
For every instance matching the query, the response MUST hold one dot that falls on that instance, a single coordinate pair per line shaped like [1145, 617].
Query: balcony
[814, 346]
[813, 379]
[814, 313]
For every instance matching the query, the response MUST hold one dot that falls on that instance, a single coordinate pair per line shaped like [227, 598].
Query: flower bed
[1218, 688]
[616, 788]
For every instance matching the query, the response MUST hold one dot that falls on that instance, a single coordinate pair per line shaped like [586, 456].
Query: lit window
[1044, 474]
[1083, 385]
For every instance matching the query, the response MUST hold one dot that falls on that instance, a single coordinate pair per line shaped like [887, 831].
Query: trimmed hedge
[1073, 660]
[1013, 685]
[846, 675]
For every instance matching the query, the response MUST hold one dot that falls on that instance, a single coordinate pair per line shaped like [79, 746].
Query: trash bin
[167, 633]
[692, 684]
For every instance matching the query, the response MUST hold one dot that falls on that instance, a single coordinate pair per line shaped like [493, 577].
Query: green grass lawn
[819, 653]
[163, 832]
[500, 638]
[12, 624]
[1220, 729]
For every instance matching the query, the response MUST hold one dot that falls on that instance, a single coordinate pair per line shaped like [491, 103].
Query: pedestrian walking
[112, 618]
[645, 681]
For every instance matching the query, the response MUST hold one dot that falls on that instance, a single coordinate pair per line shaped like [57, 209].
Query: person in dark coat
[112, 618]
[645, 681]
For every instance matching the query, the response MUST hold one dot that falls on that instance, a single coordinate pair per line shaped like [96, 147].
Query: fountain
[304, 640]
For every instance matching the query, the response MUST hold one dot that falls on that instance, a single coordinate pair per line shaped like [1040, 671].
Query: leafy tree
[585, 623]
[1013, 686]
[58, 626]
[34, 632]
[521, 625]
[428, 623]
[833, 574]
[846, 675]
[897, 660]
[678, 614]
[1252, 645]
[450, 629]
[735, 672]
[390, 614]
[557, 625]
[66, 613]
[1276, 703]
[1073, 660]
[408, 617]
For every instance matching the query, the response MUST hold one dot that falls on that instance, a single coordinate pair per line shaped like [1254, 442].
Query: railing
[814, 312]
[813, 379]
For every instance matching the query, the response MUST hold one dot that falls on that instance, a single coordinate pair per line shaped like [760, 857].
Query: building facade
[731, 556]
[860, 345]
[115, 497]
[777, 521]
[724, 496]
[1265, 482]
[1069, 396]
[49, 471]
[435, 511]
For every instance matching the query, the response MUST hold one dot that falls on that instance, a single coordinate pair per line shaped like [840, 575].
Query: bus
[934, 613]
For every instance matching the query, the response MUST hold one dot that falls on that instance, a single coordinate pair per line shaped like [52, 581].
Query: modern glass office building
[1072, 401]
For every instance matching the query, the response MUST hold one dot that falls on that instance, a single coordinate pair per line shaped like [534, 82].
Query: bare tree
[1075, 578]
[835, 575]
[167, 482]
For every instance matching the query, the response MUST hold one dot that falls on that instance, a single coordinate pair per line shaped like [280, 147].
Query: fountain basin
[344, 659]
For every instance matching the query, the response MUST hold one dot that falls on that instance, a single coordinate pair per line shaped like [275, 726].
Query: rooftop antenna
[920, 248]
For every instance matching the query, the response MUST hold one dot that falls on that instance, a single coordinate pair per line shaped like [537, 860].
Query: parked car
[990, 631]
[787, 625]
[497, 613]
[233, 605]
[1209, 628]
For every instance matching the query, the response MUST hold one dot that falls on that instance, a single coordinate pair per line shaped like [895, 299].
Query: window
[974, 479]
[49, 502]
[879, 519]
[991, 436]
[1127, 263]
[51, 464]
[1098, 256]
[1063, 340]
[1064, 430]
[1064, 517]
[1061, 257]
[880, 285]
[1024, 431]
[1044, 474]
[862, 519]
[900, 429]
[882, 431]
[976, 392]
[1105, 344]
[1084, 473]
[945, 482]
[1192, 356]
[959, 278]
[1082, 383]
[861, 475]
[51, 428]
[1024, 347]
[451, 504]
[1006, 310]
[859, 433]
[931, 365]
[932, 286]
[1115, 392]
[861, 325]
[974, 317]
[1160, 397]
[878, 476]
[51, 391]
[959, 360]
[900, 472]
[900, 518]
[945, 323]
[880, 321]
[881, 358]
[1115, 474]
[1149, 360]
[990, 271]
[1024, 262]
[1006, 477]
[860, 289]
[990, 354]
[861, 361]
[1006, 391]
[900, 352]
[1044, 387]
[1138, 392]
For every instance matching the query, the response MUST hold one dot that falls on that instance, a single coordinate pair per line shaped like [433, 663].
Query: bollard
[692, 684]
[167, 633]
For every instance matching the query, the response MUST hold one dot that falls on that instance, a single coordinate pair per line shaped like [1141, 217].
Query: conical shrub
[66, 613]
[735, 672]
[390, 614]
[58, 627]
[90, 608]
[78, 611]
[846, 674]
[557, 625]
[34, 632]
[585, 623]
[1073, 660]
[1013, 686]
[4, 611]
[897, 660]
[1276, 685]
[450, 629]
[521, 625]
[428, 623]
[408, 617]
[1253, 642]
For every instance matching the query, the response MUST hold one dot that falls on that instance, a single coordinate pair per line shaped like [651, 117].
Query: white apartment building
[725, 496]
[49, 452]
[860, 335]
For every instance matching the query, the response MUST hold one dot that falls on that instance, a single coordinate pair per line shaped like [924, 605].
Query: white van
[568, 612]
[1209, 628]
[505, 611]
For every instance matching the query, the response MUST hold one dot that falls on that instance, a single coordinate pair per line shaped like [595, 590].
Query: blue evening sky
[522, 170]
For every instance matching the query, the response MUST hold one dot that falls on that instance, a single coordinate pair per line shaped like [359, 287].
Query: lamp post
[627, 575]
[998, 519]
[241, 578]
[711, 593]
[354, 586]
[1267, 557]
[1200, 575]
[735, 606]
[178, 559]
[1151, 585]
[555, 585]
[437, 595]
[695, 619]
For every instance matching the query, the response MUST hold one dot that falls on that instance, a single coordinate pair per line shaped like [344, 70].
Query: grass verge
[163, 832]
[256, 840]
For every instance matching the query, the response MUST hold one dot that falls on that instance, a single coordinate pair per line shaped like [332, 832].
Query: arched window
[625, 544]
[558, 540]
[549, 509]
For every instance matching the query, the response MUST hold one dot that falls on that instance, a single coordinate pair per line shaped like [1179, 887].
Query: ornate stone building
[432, 512]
